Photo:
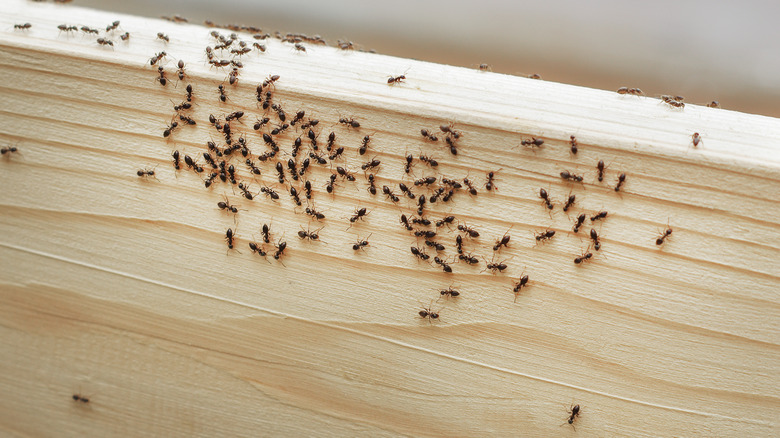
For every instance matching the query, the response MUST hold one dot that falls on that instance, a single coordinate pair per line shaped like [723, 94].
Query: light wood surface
[121, 288]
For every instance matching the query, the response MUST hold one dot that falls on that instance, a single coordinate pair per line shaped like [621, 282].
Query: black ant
[429, 161]
[427, 313]
[583, 258]
[374, 163]
[450, 131]
[428, 234]
[578, 223]
[569, 202]
[349, 122]
[449, 292]
[269, 192]
[595, 237]
[490, 184]
[294, 195]
[299, 47]
[445, 220]
[125, 36]
[574, 412]
[409, 159]
[599, 215]
[229, 236]
[405, 222]
[495, 267]
[395, 79]
[666, 233]
[407, 190]
[157, 57]
[372, 185]
[280, 170]
[254, 247]
[329, 184]
[632, 91]
[266, 231]
[293, 171]
[503, 241]
[181, 70]
[345, 173]
[260, 123]
[574, 145]
[600, 168]
[570, 176]
[621, 181]
[468, 258]
[444, 266]
[247, 194]
[547, 201]
[225, 205]
[387, 191]
[222, 95]
[146, 173]
[459, 244]
[428, 135]
[533, 142]
[66, 28]
[470, 185]
[236, 115]
[419, 253]
[314, 213]
[298, 117]
[85, 29]
[361, 243]
[209, 159]
[451, 143]
[163, 37]
[9, 150]
[175, 155]
[519, 285]
[468, 230]
[252, 167]
[280, 250]
[308, 234]
[428, 180]
[421, 221]
[452, 183]
[105, 42]
[208, 181]
[331, 141]
[544, 235]
[24, 26]
[420, 205]
[364, 145]
[436, 245]
[188, 120]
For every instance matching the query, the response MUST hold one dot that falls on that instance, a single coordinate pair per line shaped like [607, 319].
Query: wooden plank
[121, 288]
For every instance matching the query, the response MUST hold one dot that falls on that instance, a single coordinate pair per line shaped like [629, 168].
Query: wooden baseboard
[121, 288]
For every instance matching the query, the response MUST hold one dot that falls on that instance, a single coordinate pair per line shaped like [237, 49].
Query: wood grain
[120, 288]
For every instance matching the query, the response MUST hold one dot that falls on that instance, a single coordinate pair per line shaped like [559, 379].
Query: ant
[349, 122]
[445, 220]
[280, 250]
[450, 131]
[188, 120]
[329, 184]
[364, 145]
[125, 36]
[361, 244]
[405, 222]
[308, 234]
[146, 173]
[112, 26]
[372, 185]
[599, 215]
[247, 194]
[331, 140]
[293, 171]
[9, 150]
[470, 185]
[298, 117]
[574, 412]
[229, 236]
[407, 190]
[85, 29]
[600, 168]
[236, 115]
[24, 26]
[266, 231]
[570, 176]
[519, 285]
[532, 143]
[504, 241]
[666, 233]
[449, 292]
[578, 222]
[300, 47]
[428, 135]
[451, 143]
[421, 221]
[595, 237]
[468, 230]
[621, 180]
[269, 192]
[314, 213]
[428, 180]
[395, 79]
[543, 236]
[495, 267]
[254, 247]
[468, 258]
[484, 67]
[419, 253]
[105, 42]
[420, 205]
[345, 173]
[444, 266]
[252, 167]
[583, 258]
[573, 145]
[490, 184]
[675, 101]
[696, 139]
[294, 195]
[387, 191]
[208, 181]
[176, 161]
[569, 202]
[371, 164]
[409, 159]
[543, 194]
[181, 70]
[225, 205]
[431, 244]
[66, 28]
[157, 57]
[426, 312]
[631, 91]
[162, 80]
[163, 37]
[189, 92]
[429, 161]
[428, 234]
[80, 398]
[280, 170]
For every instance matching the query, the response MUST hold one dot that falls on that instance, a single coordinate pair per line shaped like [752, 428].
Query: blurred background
[703, 50]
